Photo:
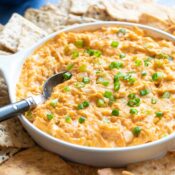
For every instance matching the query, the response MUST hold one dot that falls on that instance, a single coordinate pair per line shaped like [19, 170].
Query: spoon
[10, 110]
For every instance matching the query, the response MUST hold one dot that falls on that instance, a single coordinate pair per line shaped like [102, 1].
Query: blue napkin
[8, 7]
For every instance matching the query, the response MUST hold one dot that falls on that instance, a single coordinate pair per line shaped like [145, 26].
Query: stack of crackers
[25, 157]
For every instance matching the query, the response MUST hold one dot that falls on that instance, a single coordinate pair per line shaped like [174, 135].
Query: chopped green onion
[66, 88]
[159, 114]
[144, 73]
[92, 52]
[133, 111]
[115, 112]
[157, 76]
[68, 119]
[127, 77]
[136, 131]
[116, 86]
[83, 68]
[97, 53]
[79, 85]
[116, 65]
[103, 81]
[81, 120]
[114, 44]
[69, 67]
[123, 31]
[144, 92]
[118, 76]
[153, 101]
[108, 94]
[67, 75]
[146, 63]
[79, 43]
[132, 96]
[50, 116]
[54, 102]
[138, 62]
[75, 54]
[134, 102]
[85, 104]
[86, 80]
[162, 56]
[100, 103]
[122, 55]
[80, 106]
[131, 80]
[166, 95]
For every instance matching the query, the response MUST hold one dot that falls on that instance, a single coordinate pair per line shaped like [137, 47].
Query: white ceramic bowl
[101, 157]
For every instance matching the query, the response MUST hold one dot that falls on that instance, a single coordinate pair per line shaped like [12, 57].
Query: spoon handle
[11, 110]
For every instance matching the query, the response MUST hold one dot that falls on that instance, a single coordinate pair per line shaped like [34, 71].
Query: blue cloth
[8, 7]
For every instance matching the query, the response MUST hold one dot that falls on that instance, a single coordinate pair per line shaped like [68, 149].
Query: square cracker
[49, 18]
[36, 161]
[20, 33]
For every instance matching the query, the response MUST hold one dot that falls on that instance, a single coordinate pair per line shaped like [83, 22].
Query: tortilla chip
[6, 153]
[36, 161]
[83, 169]
[15, 32]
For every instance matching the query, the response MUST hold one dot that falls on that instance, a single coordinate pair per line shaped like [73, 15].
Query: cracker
[118, 12]
[49, 20]
[74, 19]
[36, 161]
[98, 12]
[6, 153]
[83, 169]
[12, 134]
[163, 166]
[110, 171]
[150, 20]
[18, 28]
[4, 97]
[64, 6]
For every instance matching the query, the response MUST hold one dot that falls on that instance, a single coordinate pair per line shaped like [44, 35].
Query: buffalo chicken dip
[121, 93]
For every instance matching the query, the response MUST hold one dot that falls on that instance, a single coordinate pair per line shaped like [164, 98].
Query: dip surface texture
[122, 91]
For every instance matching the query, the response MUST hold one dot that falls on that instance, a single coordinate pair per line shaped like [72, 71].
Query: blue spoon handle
[11, 110]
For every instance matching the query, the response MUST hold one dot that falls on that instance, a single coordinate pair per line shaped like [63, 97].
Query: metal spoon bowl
[11, 110]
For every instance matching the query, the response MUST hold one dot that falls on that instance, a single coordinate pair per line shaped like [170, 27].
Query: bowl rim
[86, 148]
